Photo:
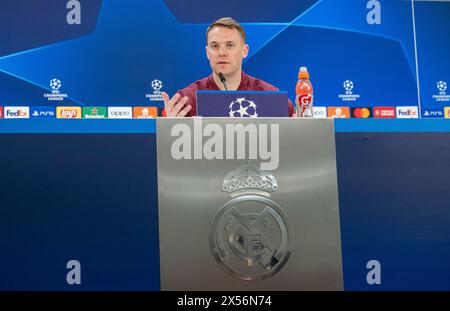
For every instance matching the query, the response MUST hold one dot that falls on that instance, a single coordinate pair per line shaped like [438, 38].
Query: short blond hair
[226, 22]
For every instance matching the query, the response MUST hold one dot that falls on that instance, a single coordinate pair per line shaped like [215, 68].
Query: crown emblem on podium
[249, 179]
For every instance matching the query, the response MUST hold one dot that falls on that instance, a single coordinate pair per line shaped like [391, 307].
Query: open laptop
[242, 104]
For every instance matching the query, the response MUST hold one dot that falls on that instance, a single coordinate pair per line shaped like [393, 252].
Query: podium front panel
[248, 204]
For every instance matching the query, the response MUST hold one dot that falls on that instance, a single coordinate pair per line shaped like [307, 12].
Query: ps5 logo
[222, 140]
[74, 14]
[374, 15]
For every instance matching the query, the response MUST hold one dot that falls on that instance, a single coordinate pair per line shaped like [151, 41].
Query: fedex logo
[17, 112]
[407, 112]
[384, 112]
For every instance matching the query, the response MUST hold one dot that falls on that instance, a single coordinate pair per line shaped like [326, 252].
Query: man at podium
[225, 49]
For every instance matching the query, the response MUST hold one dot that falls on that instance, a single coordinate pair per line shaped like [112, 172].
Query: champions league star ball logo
[348, 96]
[442, 86]
[55, 84]
[56, 94]
[251, 236]
[348, 85]
[442, 96]
[242, 107]
[156, 84]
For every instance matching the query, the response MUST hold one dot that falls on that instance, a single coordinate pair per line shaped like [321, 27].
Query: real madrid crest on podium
[251, 236]
[237, 209]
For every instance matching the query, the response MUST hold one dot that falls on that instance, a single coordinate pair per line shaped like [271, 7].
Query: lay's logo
[68, 112]
[447, 112]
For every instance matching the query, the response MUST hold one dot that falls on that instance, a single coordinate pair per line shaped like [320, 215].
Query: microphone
[223, 80]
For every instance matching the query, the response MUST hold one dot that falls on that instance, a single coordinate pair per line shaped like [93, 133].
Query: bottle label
[304, 102]
[304, 99]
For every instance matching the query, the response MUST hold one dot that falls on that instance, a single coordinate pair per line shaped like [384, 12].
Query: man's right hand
[174, 106]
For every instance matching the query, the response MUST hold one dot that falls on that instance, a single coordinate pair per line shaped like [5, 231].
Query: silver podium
[248, 204]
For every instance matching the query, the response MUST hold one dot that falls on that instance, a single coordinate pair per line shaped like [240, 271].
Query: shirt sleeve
[291, 108]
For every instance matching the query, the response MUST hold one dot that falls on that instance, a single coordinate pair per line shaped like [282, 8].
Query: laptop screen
[249, 104]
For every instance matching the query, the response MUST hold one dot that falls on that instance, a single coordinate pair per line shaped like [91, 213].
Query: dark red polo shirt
[248, 83]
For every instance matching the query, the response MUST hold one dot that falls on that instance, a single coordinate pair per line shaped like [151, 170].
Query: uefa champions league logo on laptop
[55, 84]
[242, 107]
[156, 95]
[442, 96]
[251, 236]
[348, 87]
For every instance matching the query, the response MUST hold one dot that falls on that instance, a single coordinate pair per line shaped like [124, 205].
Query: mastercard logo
[361, 113]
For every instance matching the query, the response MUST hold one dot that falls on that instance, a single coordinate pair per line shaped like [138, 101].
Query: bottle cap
[303, 73]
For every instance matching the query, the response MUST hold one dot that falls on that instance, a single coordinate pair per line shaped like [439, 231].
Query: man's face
[225, 50]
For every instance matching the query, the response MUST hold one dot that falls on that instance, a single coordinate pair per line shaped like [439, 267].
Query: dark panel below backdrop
[85, 197]
[93, 198]
[394, 199]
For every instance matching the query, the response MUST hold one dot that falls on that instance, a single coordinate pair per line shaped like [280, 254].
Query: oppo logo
[120, 113]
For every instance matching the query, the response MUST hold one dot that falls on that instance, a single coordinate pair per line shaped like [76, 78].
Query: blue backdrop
[119, 47]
